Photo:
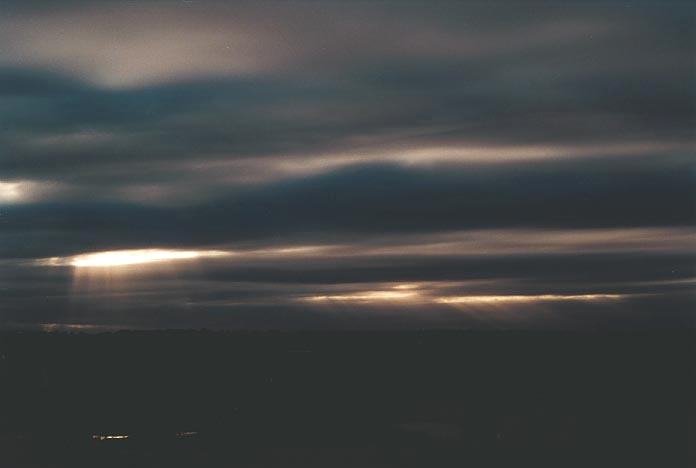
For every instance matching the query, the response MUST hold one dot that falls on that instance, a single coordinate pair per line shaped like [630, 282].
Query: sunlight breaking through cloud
[369, 296]
[413, 293]
[118, 258]
[10, 192]
[525, 299]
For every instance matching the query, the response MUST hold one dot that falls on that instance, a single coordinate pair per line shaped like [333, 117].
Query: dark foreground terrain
[419, 399]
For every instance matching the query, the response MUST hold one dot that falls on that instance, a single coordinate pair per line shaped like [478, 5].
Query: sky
[347, 165]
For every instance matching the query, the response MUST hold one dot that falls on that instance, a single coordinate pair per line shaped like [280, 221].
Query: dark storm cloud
[69, 130]
[611, 76]
[373, 200]
[368, 130]
[543, 272]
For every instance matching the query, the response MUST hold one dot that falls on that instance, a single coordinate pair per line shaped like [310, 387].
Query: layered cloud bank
[347, 165]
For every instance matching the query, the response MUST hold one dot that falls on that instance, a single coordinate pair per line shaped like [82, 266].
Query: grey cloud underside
[371, 200]
[138, 134]
[624, 76]
[259, 125]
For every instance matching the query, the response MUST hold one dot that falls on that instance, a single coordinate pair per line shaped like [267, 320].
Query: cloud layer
[344, 150]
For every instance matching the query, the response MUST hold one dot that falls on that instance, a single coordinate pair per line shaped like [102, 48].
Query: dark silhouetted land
[349, 399]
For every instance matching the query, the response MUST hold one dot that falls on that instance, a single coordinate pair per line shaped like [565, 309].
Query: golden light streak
[461, 154]
[302, 250]
[126, 270]
[118, 258]
[368, 296]
[409, 292]
[525, 299]
[478, 242]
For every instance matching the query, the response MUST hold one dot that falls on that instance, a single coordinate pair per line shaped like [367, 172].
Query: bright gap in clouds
[389, 296]
[116, 258]
[493, 299]
[27, 191]
[369, 296]
[10, 192]
[413, 293]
